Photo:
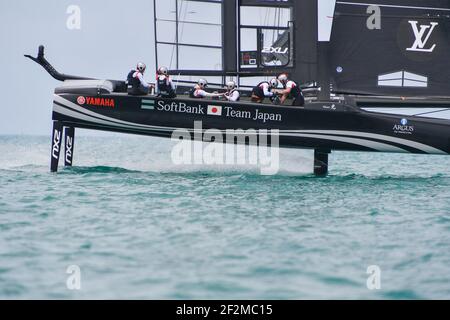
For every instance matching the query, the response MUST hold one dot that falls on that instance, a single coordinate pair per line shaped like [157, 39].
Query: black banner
[222, 309]
[391, 48]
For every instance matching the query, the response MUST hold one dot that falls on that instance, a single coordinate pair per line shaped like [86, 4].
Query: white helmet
[202, 83]
[283, 78]
[273, 83]
[141, 67]
[231, 85]
[163, 71]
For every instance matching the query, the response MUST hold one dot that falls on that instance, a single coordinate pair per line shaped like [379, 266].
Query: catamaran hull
[320, 125]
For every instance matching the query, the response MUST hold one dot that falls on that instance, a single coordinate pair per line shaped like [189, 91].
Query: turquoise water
[140, 227]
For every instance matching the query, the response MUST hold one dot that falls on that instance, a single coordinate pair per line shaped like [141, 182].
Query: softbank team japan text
[227, 111]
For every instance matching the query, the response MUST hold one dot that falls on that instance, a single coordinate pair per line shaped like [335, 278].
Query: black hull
[318, 125]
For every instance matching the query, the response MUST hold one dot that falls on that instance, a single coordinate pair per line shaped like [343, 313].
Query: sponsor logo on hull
[81, 100]
[256, 115]
[148, 104]
[217, 111]
[96, 102]
[329, 107]
[213, 110]
[403, 127]
[179, 108]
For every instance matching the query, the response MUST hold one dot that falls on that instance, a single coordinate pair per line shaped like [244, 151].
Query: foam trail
[146, 154]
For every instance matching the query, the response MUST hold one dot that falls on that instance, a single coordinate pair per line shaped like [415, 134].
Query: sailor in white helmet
[164, 86]
[264, 90]
[291, 90]
[198, 92]
[136, 83]
[232, 93]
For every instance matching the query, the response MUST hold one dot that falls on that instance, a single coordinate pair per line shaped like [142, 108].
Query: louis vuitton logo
[422, 34]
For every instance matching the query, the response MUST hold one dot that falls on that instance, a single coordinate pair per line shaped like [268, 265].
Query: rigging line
[279, 21]
[175, 40]
[178, 10]
[431, 112]
[266, 19]
[393, 6]
[390, 16]
[192, 22]
[274, 23]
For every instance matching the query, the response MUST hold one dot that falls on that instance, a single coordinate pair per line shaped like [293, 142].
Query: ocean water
[140, 227]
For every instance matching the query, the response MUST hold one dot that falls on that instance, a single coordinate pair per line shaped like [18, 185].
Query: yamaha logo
[81, 100]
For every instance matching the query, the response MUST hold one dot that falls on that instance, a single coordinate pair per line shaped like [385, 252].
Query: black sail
[404, 52]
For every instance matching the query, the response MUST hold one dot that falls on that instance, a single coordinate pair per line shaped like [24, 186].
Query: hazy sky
[114, 35]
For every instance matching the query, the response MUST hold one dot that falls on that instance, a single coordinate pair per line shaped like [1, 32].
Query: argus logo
[403, 127]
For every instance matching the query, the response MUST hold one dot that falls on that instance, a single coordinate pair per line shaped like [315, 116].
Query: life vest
[259, 90]
[132, 80]
[296, 95]
[295, 91]
[230, 93]
[134, 84]
[192, 93]
[164, 84]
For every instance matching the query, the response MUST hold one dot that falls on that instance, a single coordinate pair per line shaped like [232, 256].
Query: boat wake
[129, 155]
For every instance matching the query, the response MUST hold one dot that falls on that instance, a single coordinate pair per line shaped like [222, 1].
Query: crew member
[263, 90]
[164, 85]
[136, 83]
[232, 93]
[198, 92]
[291, 90]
